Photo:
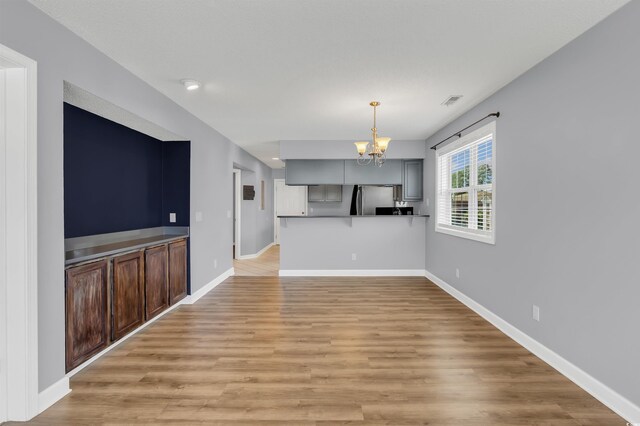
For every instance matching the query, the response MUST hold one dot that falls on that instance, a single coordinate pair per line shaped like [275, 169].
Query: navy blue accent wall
[113, 177]
[176, 158]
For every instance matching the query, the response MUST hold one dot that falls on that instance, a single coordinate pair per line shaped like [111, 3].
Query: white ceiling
[307, 70]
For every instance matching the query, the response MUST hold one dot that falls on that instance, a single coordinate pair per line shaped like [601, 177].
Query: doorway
[237, 205]
[18, 226]
[288, 201]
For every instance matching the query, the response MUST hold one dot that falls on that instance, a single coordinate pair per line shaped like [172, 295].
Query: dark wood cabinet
[177, 271]
[156, 278]
[127, 293]
[109, 298]
[87, 312]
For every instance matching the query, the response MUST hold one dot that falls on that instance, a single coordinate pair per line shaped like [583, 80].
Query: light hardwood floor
[316, 351]
[266, 265]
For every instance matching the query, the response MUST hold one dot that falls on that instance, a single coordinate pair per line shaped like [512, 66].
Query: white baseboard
[253, 256]
[193, 298]
[616, 402]
[53, 394]
[352, 273]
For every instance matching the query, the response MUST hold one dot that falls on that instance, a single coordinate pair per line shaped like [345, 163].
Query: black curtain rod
[459, 132]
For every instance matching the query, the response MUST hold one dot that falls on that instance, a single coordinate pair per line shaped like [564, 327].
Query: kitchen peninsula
[352, 245]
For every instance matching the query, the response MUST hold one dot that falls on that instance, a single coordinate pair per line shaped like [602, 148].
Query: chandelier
[376, 151]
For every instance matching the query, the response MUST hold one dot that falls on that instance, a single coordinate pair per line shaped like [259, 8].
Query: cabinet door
[314, 172]
[316, 193]
[156, 280]
[128, 293]
[389, 174]
[87, 312]
[333, 193]
[412, 180]
[177, 271]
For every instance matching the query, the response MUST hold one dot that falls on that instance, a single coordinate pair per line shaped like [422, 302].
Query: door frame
[237, 211]
[276, 237]
[19, 303]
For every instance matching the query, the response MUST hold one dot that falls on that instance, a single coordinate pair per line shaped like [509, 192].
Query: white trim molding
[258, 254]
[352, 273]
[19, 143]
[53, 394]
[616, 402]
[193, 298]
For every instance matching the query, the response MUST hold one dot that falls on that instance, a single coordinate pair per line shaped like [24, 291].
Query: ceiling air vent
[451, 100]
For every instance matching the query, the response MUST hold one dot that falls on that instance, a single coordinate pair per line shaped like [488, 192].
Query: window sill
[483, 238]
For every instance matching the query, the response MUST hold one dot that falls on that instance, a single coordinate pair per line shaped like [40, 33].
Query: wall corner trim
[616, 402]
[352, 272]
[253, 256]
[193, 298]
[53, 394]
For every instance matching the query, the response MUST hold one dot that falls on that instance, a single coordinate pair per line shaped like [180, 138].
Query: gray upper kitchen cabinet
[412, 180]
[389, 174]
[325, 193]
[314, 172]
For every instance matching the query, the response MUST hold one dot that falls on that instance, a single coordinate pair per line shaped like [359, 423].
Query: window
[465, 186]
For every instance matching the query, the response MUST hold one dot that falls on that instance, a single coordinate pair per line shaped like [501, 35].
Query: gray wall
[345, 149]
[256, 223]
[61, 55]
[567, 147]
[278, 173]
[327, 243]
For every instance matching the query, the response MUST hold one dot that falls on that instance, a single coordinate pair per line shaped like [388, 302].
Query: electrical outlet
[198, 216]
[354, 256]
[172, 217]
[215, 263]
[426, 202]
[228, 214]
[536, 313]
[457, 273]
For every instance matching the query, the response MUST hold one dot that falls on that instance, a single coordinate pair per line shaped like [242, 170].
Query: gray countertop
[352, 216]
[95, 247]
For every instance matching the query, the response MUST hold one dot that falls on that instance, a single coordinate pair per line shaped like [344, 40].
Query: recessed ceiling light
[191, 84]
[275, 158]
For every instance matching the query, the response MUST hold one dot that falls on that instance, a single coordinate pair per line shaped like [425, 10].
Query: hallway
[266, 265]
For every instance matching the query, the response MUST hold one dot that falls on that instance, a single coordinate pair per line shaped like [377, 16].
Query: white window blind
[465, 186]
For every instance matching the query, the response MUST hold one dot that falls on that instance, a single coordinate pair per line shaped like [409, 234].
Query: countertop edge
[108, 253]
[352, 216]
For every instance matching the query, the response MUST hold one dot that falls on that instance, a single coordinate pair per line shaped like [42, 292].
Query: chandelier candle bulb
[361, 147]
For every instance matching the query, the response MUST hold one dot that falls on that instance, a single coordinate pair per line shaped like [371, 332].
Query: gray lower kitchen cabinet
[389, 174]
[314, 172]
[325, 193]
[412, 180]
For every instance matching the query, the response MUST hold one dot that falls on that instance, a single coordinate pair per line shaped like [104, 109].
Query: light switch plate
[198, 216]
[172, 217]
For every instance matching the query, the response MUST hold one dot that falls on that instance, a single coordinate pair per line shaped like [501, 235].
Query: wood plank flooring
[324, 351]
[266, 265]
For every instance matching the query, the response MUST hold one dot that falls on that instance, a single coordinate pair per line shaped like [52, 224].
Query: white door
[3, 266]
[290, 201]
